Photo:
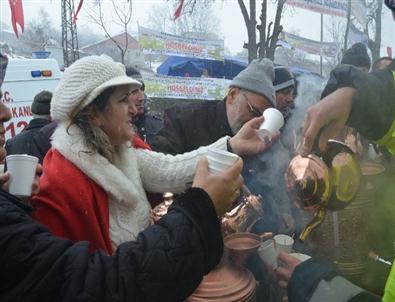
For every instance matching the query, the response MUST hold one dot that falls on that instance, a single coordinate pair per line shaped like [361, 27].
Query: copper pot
[240, 246]
[243, 216]
[308, 182]
[327, 182]
[226, 283]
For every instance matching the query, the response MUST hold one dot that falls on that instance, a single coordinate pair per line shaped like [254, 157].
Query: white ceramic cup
[220, 160]
[284, 243]
[273, 122]
[267, 252]
[22, 168]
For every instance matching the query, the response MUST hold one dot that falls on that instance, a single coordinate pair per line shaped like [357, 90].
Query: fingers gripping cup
[22, 168]
[267, 252]
[273, 122]
[220, 160]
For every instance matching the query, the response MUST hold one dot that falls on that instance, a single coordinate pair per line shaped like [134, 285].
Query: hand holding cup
[22, 172]
[223, 187]
[268, 253]
[220, 160]
[285, 271]
[273, 122]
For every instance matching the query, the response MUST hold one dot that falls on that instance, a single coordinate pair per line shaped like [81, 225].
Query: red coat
[85, 203]
[138, 143]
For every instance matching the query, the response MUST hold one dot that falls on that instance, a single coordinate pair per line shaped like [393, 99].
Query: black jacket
[165, 263]
[190, 126]
[373, 109]
[26, 142]
[315, 281]
[148, 126]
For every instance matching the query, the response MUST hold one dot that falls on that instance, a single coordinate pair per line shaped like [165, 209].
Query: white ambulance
[25, 78]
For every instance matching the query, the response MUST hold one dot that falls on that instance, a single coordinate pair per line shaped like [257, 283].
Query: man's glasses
[253, 111]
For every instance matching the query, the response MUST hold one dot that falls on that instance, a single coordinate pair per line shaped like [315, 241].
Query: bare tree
[40, 31]
[336, 29]
[373, 27]
[201, 21]
[268, 35]
[86, 36]
[123, 12]
[268, 31]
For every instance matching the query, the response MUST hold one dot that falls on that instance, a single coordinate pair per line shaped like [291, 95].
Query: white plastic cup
[284, 243]
[220, 160]
[273, 122]
[22, 168]
[268, 253]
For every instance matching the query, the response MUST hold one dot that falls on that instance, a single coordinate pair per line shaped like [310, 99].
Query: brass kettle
[330, 181]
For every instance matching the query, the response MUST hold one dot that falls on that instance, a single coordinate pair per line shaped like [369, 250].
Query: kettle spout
[318, 218]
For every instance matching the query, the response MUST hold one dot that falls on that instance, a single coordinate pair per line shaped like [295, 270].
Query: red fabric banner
[177, 13]
[17, 15]
[78, 10]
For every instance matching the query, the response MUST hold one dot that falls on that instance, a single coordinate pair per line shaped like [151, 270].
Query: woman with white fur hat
[94, 183]
[165, 263]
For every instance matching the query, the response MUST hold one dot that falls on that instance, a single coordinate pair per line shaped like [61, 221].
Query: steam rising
[264, 174]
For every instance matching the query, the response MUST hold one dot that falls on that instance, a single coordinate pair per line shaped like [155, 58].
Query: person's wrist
[231, 145]
[228, 145]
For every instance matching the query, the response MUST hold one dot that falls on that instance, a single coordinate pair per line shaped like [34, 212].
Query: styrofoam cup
[217, 164]
[268, 253]
[22, 168]
[284, 243]
[220, 160]
[273, 122]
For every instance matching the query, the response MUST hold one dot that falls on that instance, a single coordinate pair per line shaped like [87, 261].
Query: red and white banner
[291, 41]
[329, 7]
[18, 22]
[160, 86]
[155, 42]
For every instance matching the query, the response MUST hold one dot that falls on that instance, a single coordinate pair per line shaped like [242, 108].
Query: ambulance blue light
[36, 73]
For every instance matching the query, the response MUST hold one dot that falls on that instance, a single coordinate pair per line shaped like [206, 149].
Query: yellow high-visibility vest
[389, 291]
[389, 139]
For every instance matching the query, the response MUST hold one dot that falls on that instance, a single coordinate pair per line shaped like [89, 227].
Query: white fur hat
[83, 81]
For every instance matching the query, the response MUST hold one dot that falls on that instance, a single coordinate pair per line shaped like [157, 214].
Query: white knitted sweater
[134, 171]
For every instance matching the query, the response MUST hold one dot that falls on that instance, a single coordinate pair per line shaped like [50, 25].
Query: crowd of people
[86, 234]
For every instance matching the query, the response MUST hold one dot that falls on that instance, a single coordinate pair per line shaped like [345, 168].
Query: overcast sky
[233, 30]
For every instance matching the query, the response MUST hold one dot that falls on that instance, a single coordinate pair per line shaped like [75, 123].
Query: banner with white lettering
[326, 49]
[155, 42]
[328, 7]
[186, 88]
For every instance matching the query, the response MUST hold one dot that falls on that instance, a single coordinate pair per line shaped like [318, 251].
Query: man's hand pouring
[326, 118]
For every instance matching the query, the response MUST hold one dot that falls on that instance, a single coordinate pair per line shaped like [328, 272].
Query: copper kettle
[330, 181]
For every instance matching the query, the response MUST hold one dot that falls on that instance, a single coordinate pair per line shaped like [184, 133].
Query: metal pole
[322, 40]
[347, 26]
